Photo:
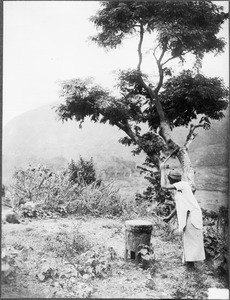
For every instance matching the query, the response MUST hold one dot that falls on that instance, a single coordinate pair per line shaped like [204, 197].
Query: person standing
[189, 215]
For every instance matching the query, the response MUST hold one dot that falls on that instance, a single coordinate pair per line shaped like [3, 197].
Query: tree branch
[172, 57]
[127, 129]
[154, 51]
[191, 135]
[160, 70]
[168, 60]
[170, 155]
[139, 47]
[152, 97]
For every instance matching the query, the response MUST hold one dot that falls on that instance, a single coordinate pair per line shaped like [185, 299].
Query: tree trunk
[186, 165]
[181, 154]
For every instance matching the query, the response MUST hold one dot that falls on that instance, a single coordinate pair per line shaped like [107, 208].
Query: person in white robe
[189, 216]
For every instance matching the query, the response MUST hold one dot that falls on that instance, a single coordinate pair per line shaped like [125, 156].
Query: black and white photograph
[115, 136]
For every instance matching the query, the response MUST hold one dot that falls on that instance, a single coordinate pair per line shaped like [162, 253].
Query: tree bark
[188, 171]
[181, 153]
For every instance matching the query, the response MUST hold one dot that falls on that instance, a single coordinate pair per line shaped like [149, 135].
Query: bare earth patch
[168, 278]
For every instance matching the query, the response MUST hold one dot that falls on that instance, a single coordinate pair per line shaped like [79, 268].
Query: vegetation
[154, 193]
[82, 171]
[216, 239]
[40, 192]
[178, 29]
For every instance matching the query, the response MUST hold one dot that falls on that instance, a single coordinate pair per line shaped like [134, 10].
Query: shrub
[67, 244]
[82, 172]
[41, 187]
[215, 243]
[31, 184]
[96, 262]
[98, 200]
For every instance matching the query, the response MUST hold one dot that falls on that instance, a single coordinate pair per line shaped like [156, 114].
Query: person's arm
[164, 179]
[169, 217]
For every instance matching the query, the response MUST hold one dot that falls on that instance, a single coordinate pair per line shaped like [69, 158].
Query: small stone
[12, 218]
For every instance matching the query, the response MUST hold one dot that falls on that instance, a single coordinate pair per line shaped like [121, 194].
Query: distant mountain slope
[37, 136]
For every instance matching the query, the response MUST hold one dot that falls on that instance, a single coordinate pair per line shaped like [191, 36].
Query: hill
[38, 137]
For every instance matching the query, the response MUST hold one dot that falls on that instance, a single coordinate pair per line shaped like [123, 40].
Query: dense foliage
[82, 171]
[181, 26]
[154, 193]
[216, 240]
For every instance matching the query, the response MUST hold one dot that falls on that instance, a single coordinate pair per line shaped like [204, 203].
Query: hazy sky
[45, 42]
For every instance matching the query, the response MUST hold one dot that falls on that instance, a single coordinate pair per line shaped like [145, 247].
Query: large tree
[178, 29]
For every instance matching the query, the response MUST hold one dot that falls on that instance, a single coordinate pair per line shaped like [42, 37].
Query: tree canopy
[181, 26]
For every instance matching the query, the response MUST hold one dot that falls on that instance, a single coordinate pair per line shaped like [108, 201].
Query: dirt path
[168, 279]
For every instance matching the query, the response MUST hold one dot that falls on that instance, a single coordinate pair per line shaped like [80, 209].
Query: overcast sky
[45, 42]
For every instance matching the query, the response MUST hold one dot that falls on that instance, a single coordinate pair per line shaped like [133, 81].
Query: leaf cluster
[187, 95]
[85, 99]
[181, 26]
[81, 99]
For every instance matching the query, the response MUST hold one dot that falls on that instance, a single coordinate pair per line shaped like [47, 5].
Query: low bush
[216, 250]
[96, 262]
[82, 171]
[39, 185]
[97, 200]
[67, 244]
[215, 242]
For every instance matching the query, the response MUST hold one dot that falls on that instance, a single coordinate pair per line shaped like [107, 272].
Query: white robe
[186, 201]
[190, 223]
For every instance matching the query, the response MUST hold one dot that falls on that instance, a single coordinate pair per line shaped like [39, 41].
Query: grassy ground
[84, 257]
